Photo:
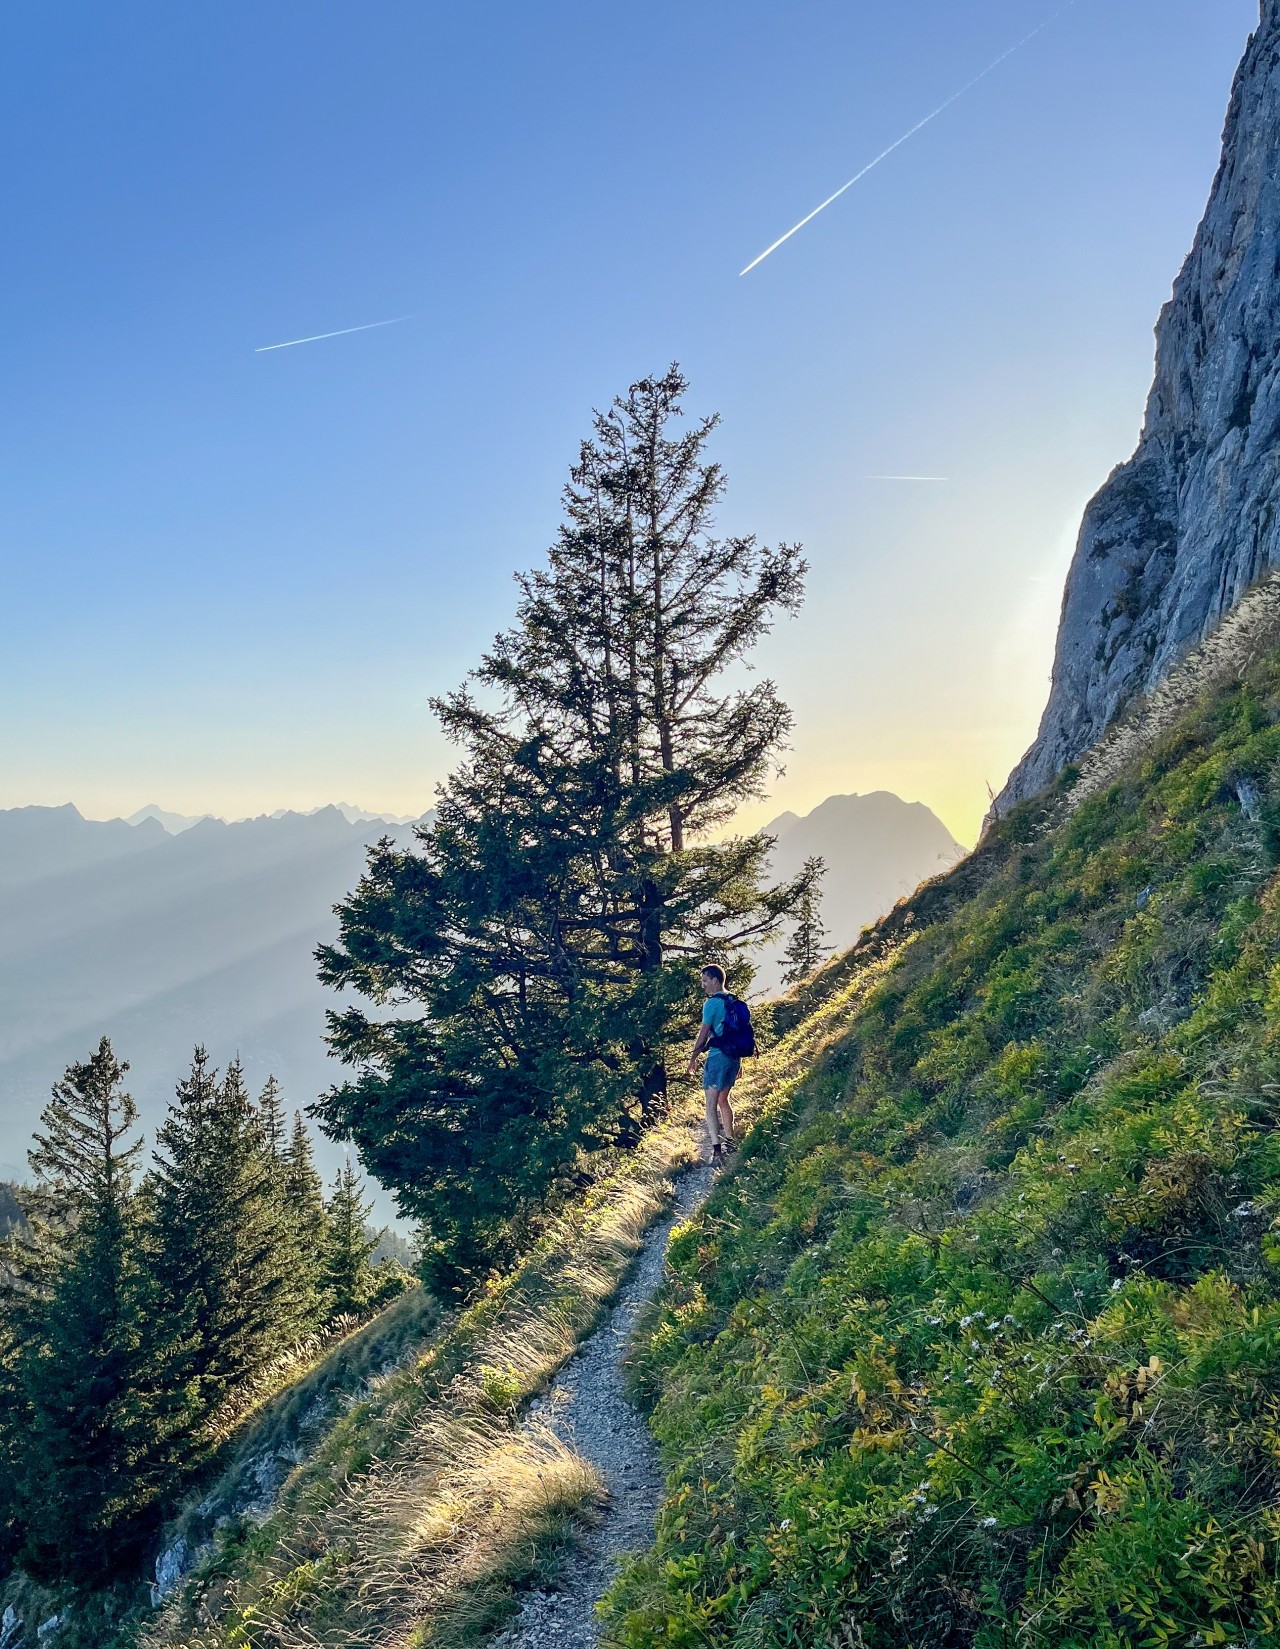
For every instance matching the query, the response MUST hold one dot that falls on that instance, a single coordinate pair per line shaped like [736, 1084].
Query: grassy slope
[978, 1345]
[427, 1505]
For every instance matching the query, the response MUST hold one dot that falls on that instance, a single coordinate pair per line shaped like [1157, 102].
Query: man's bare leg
[713, 1118]
[724, 1112]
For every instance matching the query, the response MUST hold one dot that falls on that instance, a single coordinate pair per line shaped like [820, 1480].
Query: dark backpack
[736, 1038]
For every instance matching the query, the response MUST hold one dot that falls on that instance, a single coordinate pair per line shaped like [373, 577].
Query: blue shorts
[720, 1071]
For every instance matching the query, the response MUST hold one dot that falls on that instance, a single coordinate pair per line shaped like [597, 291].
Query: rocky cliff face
[1180, 532]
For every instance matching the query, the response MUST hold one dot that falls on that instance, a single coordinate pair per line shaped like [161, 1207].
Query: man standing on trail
[722, 1066]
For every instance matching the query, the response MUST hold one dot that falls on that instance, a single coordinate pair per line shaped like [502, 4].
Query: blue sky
[232, 580]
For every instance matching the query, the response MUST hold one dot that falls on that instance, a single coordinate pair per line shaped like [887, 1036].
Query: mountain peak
[877, 849]
[172, 823]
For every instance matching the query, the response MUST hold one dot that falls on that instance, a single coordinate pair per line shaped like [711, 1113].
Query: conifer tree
[807, 948]
[220, 1255]
[350, 1278]
[304, 1201]
[90, 1460]
[544, 929]
[271, 1122]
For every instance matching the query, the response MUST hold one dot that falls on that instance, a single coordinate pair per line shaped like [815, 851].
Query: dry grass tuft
[1249, 630]
[430, 1504]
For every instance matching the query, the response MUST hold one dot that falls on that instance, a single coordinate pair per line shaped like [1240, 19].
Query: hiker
[726, 1036]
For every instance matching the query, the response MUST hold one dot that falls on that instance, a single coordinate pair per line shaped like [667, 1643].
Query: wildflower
[1117, 1285]
[990, 1522]
[785, 1524]
[1246, 1211]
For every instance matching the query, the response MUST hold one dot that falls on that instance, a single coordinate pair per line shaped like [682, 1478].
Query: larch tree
[540, 935]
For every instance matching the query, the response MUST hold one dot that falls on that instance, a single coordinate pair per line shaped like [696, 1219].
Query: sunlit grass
[979, 1345]
[429, 1505]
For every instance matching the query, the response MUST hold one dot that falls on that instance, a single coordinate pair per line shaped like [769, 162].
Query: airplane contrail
[918, 127]
[340, 333]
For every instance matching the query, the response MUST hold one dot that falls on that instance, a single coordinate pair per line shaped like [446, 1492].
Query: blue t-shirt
[713, 1010]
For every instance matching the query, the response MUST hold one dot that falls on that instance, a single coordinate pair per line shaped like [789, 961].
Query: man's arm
[704, 1036]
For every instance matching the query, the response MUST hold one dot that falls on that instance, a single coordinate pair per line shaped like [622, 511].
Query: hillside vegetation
[427, 1504]
[978, 1345]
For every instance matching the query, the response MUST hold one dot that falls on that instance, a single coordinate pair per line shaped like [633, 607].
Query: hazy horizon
[198, 816]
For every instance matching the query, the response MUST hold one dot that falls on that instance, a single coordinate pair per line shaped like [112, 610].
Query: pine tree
[350, 1278]
[220, 1254]
[807, 948]
[89, 1464]
[544, 929]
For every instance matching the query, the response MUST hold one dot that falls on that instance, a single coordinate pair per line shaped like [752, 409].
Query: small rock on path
[587, 1407]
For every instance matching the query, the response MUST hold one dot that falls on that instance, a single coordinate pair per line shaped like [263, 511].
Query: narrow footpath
[588, 1408]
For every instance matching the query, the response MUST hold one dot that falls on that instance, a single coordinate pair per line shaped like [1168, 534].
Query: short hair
[716, 973]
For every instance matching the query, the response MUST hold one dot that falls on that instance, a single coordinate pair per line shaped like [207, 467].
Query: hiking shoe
[717, 1157]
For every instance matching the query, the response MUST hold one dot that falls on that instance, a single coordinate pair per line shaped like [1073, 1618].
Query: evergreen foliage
[223, 1260]
[11, 1214]
[133, 1317]
[271, 1129]
[542, 931]
[303, 1192]
[807, 948]
[350, 1279]
[84, 1455]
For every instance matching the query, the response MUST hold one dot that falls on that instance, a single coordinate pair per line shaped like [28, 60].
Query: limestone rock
[171, 1567]
[1181, 531]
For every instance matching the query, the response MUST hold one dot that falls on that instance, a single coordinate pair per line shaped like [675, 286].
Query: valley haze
[169, 930]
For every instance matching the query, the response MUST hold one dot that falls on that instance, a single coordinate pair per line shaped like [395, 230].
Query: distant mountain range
[162, 940]
[175, 823]
[171, 930]
[877, 849]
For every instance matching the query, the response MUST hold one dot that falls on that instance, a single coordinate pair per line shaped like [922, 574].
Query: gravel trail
[587, 1407]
